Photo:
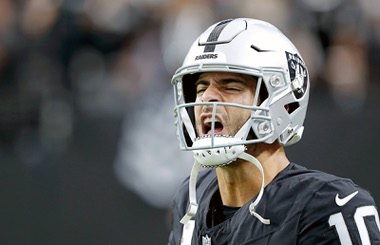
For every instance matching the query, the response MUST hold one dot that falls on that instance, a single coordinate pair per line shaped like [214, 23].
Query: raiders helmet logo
[298, 74]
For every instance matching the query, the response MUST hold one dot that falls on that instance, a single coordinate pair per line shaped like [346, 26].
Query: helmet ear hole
[290, 108]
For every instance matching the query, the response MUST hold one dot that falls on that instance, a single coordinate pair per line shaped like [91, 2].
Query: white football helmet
[256, 48]
[251, 47]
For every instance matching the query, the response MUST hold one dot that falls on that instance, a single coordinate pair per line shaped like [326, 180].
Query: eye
[200, 90]
[201, 87]
[234, 87]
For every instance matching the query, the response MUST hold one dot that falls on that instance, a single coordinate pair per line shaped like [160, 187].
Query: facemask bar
[259, 115]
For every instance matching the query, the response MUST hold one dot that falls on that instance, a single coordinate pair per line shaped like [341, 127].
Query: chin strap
[193, 205]
[253, 205]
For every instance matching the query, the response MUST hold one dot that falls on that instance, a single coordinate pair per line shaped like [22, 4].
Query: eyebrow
[223, 81]
[200, 81]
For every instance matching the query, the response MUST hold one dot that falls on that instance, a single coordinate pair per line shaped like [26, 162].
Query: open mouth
[207, 126]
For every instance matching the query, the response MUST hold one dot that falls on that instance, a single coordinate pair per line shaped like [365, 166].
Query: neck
[240, 181]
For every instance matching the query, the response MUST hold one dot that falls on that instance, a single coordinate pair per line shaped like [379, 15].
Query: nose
[211, 94]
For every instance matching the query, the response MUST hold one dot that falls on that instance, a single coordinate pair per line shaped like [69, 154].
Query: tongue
[218, 128]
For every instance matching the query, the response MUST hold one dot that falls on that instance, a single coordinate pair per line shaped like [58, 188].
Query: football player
[241, 95]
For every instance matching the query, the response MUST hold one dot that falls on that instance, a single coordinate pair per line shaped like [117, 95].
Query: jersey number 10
[337, 220]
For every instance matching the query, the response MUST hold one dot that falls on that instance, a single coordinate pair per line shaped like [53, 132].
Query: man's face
[223, 87]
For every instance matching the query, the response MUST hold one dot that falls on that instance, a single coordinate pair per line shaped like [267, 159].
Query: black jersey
[304, 207]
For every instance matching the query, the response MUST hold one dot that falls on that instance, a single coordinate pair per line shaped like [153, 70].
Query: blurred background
[88, 151]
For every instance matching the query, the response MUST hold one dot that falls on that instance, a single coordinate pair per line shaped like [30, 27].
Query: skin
[239, 181]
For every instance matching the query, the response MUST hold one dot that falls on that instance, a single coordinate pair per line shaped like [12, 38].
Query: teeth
[209, 120]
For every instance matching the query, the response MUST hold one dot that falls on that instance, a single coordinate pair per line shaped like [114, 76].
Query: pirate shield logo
[298, 74]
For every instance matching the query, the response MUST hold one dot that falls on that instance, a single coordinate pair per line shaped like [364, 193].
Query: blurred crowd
[64, 59]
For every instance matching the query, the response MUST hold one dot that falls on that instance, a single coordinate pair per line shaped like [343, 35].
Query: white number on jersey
[337, 220]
